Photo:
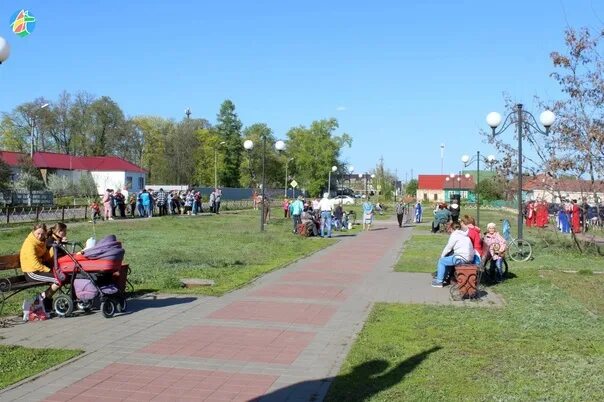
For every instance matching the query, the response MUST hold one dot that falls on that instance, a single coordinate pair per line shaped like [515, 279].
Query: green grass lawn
[18, 363]
[545, 343]
[228, 249]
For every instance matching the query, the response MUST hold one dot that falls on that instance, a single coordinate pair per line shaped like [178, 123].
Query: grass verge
[18, 363]
[545, 344]
[228, 248]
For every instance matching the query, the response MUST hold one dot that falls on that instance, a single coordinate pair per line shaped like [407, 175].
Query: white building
[108, 172]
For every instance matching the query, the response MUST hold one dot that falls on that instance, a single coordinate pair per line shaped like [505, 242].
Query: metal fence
[42, 213]
[22, 197]
[26, 214]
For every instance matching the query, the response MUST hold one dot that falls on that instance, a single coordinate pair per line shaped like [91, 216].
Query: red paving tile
[181, 384]
[339, 268]
[321, 277]
[228, 343]
[302, 292]
[293, 313]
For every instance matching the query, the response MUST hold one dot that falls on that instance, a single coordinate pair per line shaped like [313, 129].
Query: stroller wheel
[63, 305]
[85, 305]
[108, 308]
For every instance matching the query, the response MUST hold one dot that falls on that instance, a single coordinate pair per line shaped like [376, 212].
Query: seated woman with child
[496, 246]
[36, 258]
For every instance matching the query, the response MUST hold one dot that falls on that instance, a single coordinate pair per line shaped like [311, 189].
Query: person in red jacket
[474, 234]
[542, 214]
[575, 217]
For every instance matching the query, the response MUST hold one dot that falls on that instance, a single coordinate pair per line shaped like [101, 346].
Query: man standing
[325, 207]
[120, 202]
[400, 213]
[161, 202]
[147, 204]
[459, 250]
[217, 198]
[296, 209]
[212, 202]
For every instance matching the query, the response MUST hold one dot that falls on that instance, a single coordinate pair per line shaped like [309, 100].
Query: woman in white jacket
[459, 250]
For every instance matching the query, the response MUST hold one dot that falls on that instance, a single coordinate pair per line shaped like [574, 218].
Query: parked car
[344, 199]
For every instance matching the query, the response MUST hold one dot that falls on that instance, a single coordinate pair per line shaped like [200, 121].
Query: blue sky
[401, 77]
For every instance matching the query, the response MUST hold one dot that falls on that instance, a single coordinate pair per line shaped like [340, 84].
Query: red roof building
[550, 189]
[51, 160]
[107, 171]
[436, 187]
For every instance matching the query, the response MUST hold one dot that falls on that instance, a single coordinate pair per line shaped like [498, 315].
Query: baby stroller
[94, 273]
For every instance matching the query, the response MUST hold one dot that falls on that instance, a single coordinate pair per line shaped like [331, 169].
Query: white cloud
[341, 108]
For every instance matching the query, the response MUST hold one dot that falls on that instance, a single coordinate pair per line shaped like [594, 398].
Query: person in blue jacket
[418, 212]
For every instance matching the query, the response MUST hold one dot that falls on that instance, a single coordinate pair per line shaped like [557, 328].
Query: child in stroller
[93, 273]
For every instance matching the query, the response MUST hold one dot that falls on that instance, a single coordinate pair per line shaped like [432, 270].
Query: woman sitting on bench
[35, 261]
[459, 250]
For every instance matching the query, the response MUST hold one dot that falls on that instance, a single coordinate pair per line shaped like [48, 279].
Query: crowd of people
[149, 203]
[569, 216]
[316, 217]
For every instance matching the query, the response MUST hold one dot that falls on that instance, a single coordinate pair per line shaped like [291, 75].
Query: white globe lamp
[493, 119]
[279, 145]
[547, 118]
[4, 50]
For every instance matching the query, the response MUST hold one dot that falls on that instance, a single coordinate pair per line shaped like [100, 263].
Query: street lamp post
[372, 177]
[287, 161]
[33, 130]
[467, 161]
[547, 118]
[216, 163]
[279, 146]
[350, 172]
[4, 50]
[333, 169]
[442, 157]
[361, 176]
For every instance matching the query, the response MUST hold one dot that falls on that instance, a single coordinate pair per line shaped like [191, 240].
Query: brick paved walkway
[282, 338]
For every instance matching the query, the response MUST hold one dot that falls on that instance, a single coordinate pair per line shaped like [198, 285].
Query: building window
[141, 183]
[435, 197]
[129, 182]
[425, 196]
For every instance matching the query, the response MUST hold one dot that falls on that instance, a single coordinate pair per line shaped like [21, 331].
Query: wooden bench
[12, 285]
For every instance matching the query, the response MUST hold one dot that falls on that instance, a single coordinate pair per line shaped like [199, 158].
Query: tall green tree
[108, 124]
[80, 122]
[229, 130]
[180, 150]
[5, 175]
[316, 149]
[411, 187]
[209, 152]
[12, 137]
[155, 132]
